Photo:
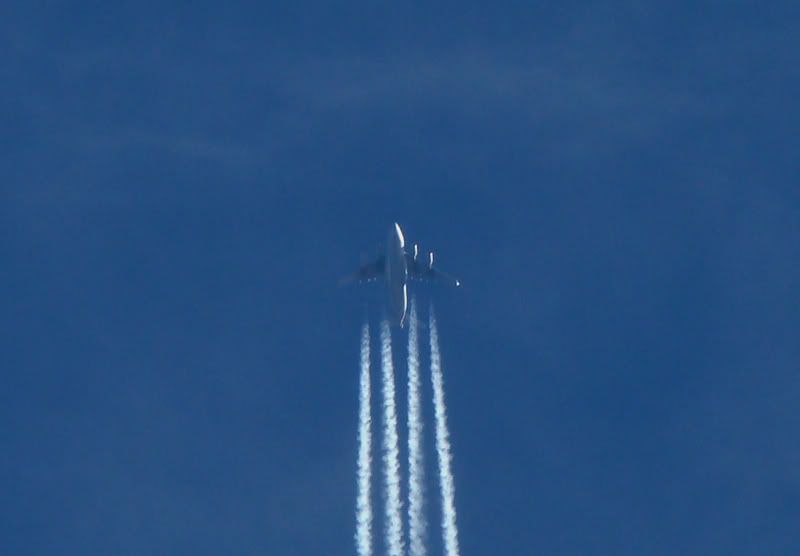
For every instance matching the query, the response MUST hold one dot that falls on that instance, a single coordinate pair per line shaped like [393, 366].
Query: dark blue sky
[182, 186]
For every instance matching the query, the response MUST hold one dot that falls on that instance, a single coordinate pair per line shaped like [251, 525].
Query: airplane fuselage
[397, 274]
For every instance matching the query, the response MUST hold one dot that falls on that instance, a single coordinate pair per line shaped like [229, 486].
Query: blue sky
[183, 185]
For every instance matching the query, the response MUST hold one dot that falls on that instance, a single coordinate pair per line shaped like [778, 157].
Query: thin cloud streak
[416, 470]
[449, 528]
[363, 534]
[391, 457]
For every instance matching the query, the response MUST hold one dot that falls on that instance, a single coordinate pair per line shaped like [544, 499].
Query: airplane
[397, 266]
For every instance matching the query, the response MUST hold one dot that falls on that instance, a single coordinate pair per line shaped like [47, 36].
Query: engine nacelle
[430, 260]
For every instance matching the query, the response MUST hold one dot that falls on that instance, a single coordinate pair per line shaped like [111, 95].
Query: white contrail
[449, 529]
[416, 493]
[364, 498]
[391, 456]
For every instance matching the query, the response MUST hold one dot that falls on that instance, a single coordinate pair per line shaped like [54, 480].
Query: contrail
[449, 529]
[416, 494]
[363, 535]
[391, 457]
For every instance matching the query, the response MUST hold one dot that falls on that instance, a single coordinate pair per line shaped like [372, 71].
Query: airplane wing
[427, 272]
[367, 273]
[435, 275]
[415, 268]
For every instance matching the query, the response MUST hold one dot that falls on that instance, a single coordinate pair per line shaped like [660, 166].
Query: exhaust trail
[391, 456]
[363, 536]
[449, 529]
[416, 494]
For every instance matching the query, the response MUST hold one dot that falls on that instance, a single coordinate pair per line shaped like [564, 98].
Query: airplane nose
[399, 233]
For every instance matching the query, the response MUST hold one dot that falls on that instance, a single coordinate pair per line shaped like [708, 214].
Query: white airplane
[396, 267]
